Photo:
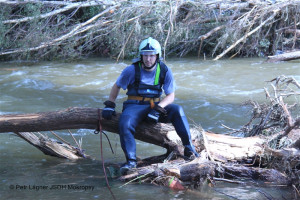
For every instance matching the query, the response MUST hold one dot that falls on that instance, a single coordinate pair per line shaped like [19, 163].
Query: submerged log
[52, 147]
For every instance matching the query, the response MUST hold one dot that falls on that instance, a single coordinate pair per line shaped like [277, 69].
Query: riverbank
[50, 30]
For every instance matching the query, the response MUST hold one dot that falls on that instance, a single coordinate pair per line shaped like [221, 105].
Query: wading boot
[190, 154]
[131, 164]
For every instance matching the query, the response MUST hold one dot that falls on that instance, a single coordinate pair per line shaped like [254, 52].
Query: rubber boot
[131, 164]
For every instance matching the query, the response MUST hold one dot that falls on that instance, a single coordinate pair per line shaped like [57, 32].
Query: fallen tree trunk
[80, 118]
[284, 57]
[86, 118]
[221, 147]
[201, 170]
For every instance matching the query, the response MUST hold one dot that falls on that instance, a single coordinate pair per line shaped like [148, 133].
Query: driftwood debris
[228, 28]
[294, 55]
[52, 147]
[221, 149]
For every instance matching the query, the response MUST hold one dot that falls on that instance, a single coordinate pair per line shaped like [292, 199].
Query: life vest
[144, 90]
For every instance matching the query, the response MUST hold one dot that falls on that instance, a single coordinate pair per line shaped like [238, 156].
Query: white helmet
[150, 46]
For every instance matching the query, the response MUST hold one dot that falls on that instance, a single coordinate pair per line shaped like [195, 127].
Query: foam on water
[35, 84]
[18, 73]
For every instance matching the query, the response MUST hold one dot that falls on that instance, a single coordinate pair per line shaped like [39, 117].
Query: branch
[247, 35]
[78, 29]
[294, 31]
[34, 1]
[290, 119]
[288, 130]
[208, 34]
[68, 6]
[51, 147]
[123, 48]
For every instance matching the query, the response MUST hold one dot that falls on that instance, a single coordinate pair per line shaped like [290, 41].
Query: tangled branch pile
[69, 29]
[279, 122]
[277, 116]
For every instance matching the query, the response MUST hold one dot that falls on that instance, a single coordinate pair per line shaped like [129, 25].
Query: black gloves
[155, 113]
[109, 110]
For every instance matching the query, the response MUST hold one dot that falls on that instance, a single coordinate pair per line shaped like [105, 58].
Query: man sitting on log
[145, 80]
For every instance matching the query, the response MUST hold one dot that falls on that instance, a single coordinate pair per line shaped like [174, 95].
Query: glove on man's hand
[155, 113]
[109, 110]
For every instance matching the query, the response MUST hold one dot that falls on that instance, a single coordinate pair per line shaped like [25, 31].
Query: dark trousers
[135, 111]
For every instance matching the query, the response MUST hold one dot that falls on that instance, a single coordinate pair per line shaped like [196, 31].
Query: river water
[211, 94]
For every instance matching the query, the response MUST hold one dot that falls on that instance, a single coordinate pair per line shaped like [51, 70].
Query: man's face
[149, 60]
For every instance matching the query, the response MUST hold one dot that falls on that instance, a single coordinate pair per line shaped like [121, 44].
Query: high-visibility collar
[156, 79]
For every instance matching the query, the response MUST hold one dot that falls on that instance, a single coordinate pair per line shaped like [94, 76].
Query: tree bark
[199, 170]
[219, 147]
[86, 118]
[52, 147]
[284, 57]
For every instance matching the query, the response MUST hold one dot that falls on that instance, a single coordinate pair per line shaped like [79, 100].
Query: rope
[108, 142]
[100, 130]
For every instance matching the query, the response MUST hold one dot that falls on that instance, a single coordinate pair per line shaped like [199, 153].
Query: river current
[211, 93]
